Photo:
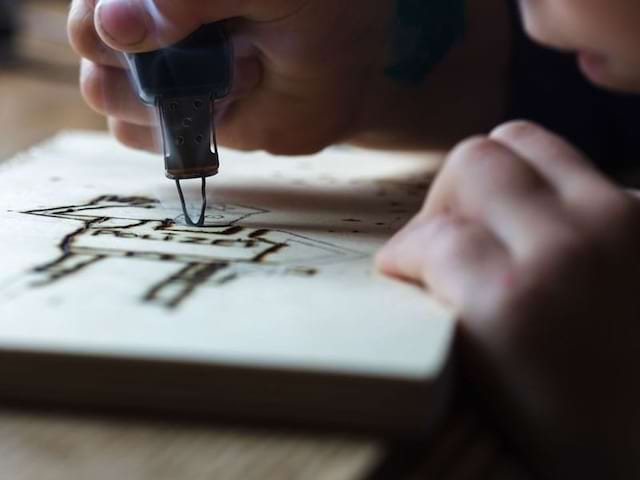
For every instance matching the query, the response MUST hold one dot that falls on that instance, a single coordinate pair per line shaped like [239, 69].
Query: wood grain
[65, 447]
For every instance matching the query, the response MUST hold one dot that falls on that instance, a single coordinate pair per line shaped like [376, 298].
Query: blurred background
[39, 92]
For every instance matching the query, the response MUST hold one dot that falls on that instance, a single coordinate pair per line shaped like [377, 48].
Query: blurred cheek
[572, 25]
[540, 23]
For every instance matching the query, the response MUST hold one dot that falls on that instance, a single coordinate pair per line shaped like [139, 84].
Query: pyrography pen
[183, 81]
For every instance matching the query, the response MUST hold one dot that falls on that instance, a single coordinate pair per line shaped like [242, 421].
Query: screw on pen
[188, 136]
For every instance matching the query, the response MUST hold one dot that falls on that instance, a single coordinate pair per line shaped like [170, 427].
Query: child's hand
[540, 255]
[308, 73]
[302, 66]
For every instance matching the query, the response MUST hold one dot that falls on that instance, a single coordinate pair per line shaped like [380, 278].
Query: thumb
[145, 25]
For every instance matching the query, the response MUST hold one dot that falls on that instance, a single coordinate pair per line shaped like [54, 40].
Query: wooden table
[39, 89]
[39, 96]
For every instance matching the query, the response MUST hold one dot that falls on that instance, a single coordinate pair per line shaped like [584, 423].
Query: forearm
[466, 94]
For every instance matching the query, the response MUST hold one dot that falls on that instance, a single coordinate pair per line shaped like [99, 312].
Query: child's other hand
[302, 66]
[540, 255]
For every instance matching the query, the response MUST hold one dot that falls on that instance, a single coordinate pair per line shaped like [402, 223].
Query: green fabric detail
[424, 32]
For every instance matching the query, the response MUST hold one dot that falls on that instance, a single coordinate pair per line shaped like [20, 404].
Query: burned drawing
[226, 249]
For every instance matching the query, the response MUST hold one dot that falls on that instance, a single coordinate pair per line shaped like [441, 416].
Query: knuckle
[470, 156]
[120, 132]
[106, 91]
[132, 136]
[469, 151]
[516, 130]
[486, 165]
[127, 135]
[81, 31]
[92, 86]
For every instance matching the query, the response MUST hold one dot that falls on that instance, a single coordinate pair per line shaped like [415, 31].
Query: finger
[136, 136]
[562, 165]
[83, 36]
[461, 261]
[108, 91]
[486, 165]
[247, 76]
[486, 182]
[593, 199]
[142, 25]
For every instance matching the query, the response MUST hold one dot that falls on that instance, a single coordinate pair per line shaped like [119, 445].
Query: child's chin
[594, 66]
[600, 72]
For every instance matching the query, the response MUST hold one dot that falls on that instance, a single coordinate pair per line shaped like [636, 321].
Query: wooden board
[272, 311]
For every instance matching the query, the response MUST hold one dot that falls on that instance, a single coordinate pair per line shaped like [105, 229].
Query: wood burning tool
[183, 82]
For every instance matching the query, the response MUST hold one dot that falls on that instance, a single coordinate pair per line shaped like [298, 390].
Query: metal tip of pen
[203, 211]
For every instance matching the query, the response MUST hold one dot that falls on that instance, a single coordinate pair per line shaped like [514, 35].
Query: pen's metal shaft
[203, 211]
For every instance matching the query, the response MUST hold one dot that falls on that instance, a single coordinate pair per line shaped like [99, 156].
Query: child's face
[604, 33]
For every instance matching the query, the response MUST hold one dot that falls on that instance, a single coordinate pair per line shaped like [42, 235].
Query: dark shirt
[8, 26]
[549, 88]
